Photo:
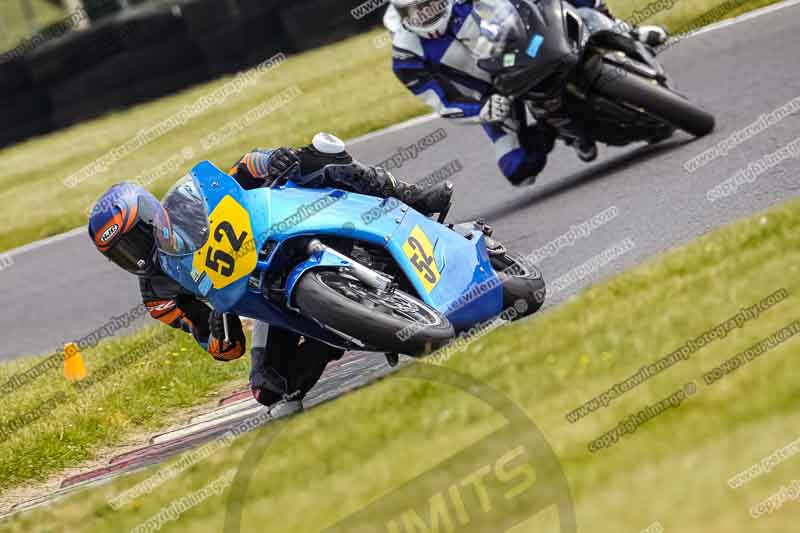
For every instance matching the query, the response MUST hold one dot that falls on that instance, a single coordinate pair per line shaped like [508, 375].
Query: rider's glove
[281, 160]
[218, 347]
[496, 109]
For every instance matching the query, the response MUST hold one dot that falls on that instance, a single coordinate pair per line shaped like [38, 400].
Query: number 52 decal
[230, 252]
[419, 250]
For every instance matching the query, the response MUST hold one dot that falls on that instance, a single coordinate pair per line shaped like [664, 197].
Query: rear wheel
[385, 321]
[657, 100]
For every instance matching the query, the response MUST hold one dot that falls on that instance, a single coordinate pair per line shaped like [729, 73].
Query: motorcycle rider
[431, 59]
[285, 366]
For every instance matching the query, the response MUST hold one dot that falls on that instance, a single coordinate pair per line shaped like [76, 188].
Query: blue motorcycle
[353, 271]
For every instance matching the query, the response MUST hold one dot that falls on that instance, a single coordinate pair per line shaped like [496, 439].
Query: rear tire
[622, 85]
[345, 304]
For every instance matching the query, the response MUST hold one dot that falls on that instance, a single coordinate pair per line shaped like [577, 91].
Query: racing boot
[285, 407]
[269, 388]
[650, 35]
[428, 200]
[586, 149]
[268, 384]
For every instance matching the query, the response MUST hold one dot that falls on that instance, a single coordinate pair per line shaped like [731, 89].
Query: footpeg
[487, 230]
[586, 149]
[494, 247]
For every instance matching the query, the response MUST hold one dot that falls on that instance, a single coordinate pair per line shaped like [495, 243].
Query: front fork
[367, 276]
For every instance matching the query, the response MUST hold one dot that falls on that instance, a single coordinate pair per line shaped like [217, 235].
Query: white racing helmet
[426, 18]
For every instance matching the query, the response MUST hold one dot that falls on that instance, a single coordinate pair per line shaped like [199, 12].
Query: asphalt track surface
[62, 290]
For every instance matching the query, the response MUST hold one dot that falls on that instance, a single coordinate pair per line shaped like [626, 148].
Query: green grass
[545, 368]
[348, 89]
[167, 372]
[335, 459]
[689, 14]
[14, 26]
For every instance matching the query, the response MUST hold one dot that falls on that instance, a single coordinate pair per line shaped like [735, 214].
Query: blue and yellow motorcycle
[353, 271]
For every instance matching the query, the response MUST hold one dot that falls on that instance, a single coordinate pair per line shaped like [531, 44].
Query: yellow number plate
[230, 252]
[419, 250]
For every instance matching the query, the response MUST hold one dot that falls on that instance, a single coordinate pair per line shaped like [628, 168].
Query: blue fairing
[467, 292]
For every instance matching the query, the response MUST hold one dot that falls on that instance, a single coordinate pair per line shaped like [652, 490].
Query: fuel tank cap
[328, 143]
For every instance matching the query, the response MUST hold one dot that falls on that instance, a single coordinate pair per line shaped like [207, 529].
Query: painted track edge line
[31, 246]
[766, 10]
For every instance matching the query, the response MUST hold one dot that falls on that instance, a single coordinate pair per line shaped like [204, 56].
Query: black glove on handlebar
[281, 161]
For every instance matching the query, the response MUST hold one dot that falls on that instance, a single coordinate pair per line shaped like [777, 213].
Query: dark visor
[134, 250]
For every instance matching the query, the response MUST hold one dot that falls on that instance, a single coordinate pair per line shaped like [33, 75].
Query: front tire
[393, 322]
[657, 100]
[522, 281]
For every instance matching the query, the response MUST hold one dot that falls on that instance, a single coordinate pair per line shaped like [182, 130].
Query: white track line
[394, 128]
[221, 412]
[49, 240]
[431, 117]
[744, 17]
[196, 428]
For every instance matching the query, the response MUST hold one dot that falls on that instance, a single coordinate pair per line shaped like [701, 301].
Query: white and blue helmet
[426, 18]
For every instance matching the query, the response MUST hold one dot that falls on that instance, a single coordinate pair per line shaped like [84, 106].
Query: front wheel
[628, 87]
[522, 281]
[385, 321]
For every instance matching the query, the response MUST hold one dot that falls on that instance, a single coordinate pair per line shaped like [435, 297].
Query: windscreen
[500, 26]
[186, 229]
[596, 21]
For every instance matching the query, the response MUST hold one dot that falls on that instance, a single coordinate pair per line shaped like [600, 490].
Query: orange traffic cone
[74, 369]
